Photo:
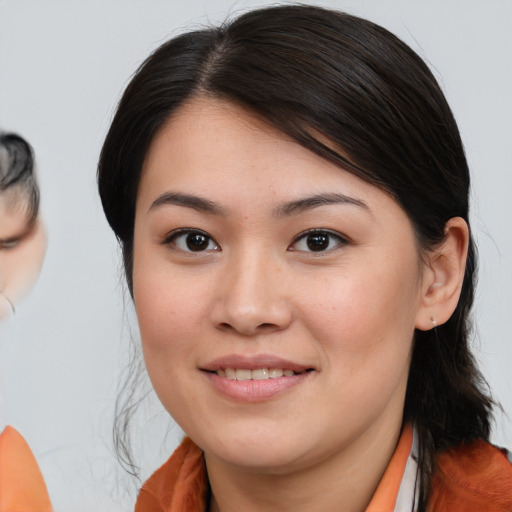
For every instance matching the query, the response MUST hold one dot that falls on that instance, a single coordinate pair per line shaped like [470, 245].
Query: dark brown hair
[17, 172]
[321, 75]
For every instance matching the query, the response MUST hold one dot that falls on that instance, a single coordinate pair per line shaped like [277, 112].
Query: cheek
[365, 330]
[364, 317]
[168, 311]
[171, 310]
[167, 316]
[20, 267]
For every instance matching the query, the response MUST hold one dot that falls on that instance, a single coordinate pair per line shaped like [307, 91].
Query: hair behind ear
[447, 398]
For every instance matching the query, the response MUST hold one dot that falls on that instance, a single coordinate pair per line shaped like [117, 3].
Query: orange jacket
[472, 478]
[22, 488]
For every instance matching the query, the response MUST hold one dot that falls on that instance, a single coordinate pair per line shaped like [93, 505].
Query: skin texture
[347, 313]
[22, 249]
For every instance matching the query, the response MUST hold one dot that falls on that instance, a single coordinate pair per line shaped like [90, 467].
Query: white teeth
[260, 374]
[243, 374]
[230, 373]
[257, 374]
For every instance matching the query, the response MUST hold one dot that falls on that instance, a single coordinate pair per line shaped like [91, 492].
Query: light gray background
[63, 65]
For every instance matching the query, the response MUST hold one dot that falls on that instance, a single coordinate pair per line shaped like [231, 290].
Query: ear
[443, 274]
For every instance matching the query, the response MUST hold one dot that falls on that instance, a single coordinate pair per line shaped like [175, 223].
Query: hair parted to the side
[17, 176]
[328, 80]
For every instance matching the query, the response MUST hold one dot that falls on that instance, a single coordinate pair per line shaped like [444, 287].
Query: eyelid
[9, 243]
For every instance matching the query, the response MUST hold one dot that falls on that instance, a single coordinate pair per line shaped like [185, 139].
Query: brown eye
[318, 241]
[197, 241]
[191, 241]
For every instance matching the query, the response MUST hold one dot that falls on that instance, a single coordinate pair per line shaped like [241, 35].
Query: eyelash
[172, 238]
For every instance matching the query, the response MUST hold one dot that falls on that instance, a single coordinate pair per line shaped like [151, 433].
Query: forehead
[211, 144]
[15, 197]
[212, 127]
[14, 213]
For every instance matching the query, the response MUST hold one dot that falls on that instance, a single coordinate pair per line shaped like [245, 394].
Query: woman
[22, 238]
[290, 193]
[22, 248]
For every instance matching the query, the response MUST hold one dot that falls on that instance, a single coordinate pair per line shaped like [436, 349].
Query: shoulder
[21, 483]
[180, 484]
[472, 477]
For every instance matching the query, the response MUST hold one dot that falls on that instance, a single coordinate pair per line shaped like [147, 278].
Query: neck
[343, 482]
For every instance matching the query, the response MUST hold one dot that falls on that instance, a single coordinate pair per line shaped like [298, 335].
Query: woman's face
[277, 295]
[22, 248]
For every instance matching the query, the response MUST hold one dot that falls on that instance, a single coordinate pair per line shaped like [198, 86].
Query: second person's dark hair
[17, 172]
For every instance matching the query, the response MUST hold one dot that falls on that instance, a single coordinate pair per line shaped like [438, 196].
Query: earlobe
[443, 276]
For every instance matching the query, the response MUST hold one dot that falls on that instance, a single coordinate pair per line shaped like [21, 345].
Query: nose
[252, 298]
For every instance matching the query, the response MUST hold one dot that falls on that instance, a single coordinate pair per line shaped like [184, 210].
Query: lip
[254, 390]
[253, 362]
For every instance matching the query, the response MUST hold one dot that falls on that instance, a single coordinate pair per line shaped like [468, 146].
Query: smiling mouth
[257, 374]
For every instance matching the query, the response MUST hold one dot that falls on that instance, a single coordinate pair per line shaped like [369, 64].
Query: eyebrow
[285, 210]
[189, 201]
[308, 203]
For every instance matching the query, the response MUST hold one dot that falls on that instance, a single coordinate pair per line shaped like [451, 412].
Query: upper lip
[253, 362]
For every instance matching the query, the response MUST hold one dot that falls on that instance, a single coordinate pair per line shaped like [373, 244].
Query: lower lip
[254, 390]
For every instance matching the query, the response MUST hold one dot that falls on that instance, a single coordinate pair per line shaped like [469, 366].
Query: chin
[258, 452]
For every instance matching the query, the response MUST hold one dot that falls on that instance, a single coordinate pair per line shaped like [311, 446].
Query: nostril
[266, 325]
[261, 328]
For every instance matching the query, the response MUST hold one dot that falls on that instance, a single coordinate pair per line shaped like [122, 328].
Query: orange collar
[469, 478]
[181, 484]
[399, 477]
